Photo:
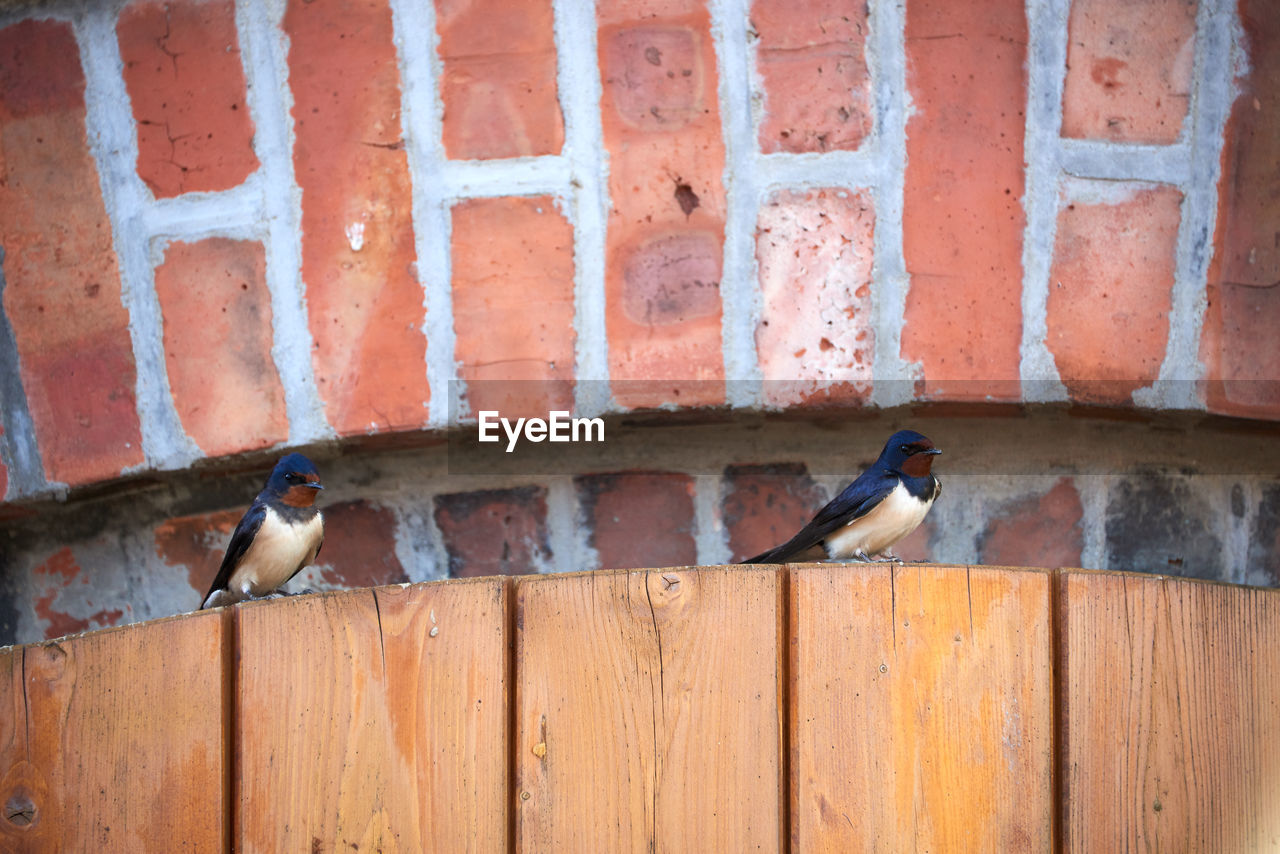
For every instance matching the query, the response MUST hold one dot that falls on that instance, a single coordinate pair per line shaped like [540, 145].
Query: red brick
[494, 531]
[1040, 530]
[499, 79]
[359, 546]
[962, 218]
[1128, 69]
[765, 505]
[815, 337]
[62, 292]
[365, 305]
[186, 84]
[811, 57]
[58, 573]
[1239, 346]
[513, 304]
[1110, 289]
[665, 240]
[639, 519]
[198, 543]
[217, 345]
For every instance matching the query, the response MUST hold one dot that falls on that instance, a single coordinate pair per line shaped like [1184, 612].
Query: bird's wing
[241, 538]
[857, 499]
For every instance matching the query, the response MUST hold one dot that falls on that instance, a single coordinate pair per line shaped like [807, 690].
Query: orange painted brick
[198, 543]
[639, 519]
[217, 345]
[1033, 530]
[360, 548]
[815, 337]
[1128, 69]
[499, 78]
[187, 87]
[358, 258]
[1239, 345]
[811, 57]
[666, 227]
[764, 505]
[962, 218]
[494, 531]
[1110, 289]
[62, 292]
[513, 304]
[54, 577]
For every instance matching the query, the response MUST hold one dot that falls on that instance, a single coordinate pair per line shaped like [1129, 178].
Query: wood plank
[1171, 714]
[375, 720]
[114, 740]
[647, 711]
[922, 709]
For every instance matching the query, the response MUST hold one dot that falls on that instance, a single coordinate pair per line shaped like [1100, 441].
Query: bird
[279, 534]
[885, 503]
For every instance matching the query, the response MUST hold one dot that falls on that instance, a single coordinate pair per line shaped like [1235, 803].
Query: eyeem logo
[557, 427]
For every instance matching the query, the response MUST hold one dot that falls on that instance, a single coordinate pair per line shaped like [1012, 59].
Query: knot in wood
[20, 809]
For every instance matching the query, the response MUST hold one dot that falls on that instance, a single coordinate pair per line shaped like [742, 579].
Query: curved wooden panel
[922, 709]
[114, 740]
[647, 711]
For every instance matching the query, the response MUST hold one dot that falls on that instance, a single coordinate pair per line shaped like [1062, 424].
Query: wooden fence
[812, 708]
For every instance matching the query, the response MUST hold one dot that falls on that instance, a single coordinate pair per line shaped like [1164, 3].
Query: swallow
[886, 502]
[280, 533]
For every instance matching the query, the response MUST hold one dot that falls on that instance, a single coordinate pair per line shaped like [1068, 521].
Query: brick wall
[230, 229]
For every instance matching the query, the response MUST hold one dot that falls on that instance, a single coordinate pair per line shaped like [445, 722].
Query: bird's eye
[906, 449]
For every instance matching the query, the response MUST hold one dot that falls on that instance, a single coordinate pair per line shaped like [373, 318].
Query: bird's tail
[774, 555]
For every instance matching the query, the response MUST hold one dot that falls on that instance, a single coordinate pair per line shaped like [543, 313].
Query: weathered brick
[815, 338]
[494, 531]
[765, 505]
[1239, 347]
[499, 79]
[1264, 540]
[962, 215]
[639, 519]
[62, 285]
[187, 87]
[1128, 69]
[198, 543]
[52, 578]
[1110, 287]
[513, 305]
[359, 546]
[811, 56]
[217, 345]
[1035, 530]
[1158, 524]
[358, 258]
[664, 250]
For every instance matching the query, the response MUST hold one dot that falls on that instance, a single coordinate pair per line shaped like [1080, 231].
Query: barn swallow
[280, 533]
[886, 502]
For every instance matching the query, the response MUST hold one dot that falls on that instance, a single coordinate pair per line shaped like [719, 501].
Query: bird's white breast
[278, 550]
[897, 515]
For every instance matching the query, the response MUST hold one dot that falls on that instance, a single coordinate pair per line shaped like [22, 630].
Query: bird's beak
[321, 485]
[932, 451]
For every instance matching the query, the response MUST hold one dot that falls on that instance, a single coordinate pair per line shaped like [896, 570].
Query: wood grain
[1171, 714]
[648, 711]
[922, 714]
[114, 740]
[375, 720]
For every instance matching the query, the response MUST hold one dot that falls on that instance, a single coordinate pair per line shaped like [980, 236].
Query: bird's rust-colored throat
[299, 496]
[918, 465]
